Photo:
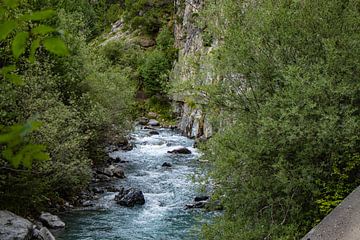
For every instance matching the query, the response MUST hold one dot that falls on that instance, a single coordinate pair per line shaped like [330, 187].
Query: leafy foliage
[67, 85]
[289, 100]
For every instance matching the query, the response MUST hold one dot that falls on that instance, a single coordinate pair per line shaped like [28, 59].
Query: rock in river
[153, 122]
[51, 221]
[180, 151]
[43, 234]
[130, 197]
[166, 164]
[14, 227]
[153, 132]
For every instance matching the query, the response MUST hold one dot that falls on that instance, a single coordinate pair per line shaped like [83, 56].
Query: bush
[290, 104]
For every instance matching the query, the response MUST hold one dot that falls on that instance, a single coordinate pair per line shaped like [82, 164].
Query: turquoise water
[166, 192]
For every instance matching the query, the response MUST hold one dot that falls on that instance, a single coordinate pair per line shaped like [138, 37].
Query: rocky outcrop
[189, 105]
[14, 227]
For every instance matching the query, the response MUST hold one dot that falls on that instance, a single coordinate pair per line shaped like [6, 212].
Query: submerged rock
[154, 132]
[201, 198]
[180, 151]
[130, 197]
[51, 221]
[166, 164]
[14, 227]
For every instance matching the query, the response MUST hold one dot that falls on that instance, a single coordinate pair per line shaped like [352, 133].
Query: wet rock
[143, 121]
[200, 204]
[119, 172]
[154, 132]
[103, 178]
[51, 221]
[113, 189]
[43, 234]
[153, 123]
[14, 227]
[98, 190]
[117, 160]
[201, 198]
[180, 151]
[128, 147]
[166, 164]
[130, 197]
[87, 203]
[148, 128]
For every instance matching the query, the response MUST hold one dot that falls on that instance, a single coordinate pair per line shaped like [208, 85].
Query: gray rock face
[13, 227]
[194, 122]
[51, 221]
[130, 197]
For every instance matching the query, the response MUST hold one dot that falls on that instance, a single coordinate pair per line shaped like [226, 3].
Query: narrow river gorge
[166, 190]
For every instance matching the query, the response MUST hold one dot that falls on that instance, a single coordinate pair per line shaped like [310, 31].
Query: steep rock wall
[191, 69]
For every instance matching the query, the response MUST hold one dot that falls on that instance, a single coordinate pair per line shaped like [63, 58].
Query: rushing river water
[166, 192]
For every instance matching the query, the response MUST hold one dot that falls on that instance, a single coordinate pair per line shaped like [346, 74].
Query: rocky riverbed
[153, 198]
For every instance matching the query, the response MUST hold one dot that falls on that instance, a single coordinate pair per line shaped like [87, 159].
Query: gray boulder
[43, 234]
[51, 221]
[180, 151]
[13, 227]
[153, 123]
[130, 197]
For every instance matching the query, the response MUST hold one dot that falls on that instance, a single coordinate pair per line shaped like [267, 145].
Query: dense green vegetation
[60, 107]
[289, 96]
[65, 95]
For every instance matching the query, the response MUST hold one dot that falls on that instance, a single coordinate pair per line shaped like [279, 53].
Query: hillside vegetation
[289, 98]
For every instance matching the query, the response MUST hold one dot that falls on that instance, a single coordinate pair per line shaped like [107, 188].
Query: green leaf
[15, 79]
[6, 28]
[56, 46]
[42, 30]
[39, 15]
[34, 46]
[19, 44]
[5, 70]
[11, 3]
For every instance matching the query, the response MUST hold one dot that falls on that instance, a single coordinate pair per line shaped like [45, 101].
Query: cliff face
[191, 69]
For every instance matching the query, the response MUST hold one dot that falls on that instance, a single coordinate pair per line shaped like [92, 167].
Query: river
[166, 192]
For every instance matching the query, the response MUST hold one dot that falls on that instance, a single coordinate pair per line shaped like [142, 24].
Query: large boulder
[43, 234]
[153, 123]
[130, 197]
[13, 227]
[51, 221]
[180, 151]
